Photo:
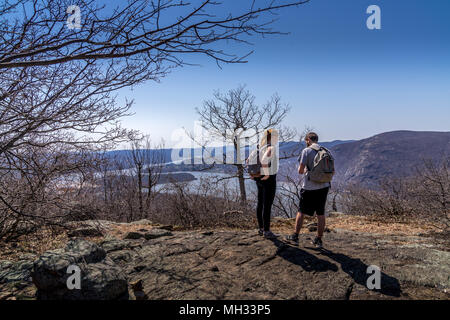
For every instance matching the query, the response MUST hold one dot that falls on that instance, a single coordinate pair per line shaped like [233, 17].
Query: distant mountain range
[286, 149]
[396, 153]
[366, 161]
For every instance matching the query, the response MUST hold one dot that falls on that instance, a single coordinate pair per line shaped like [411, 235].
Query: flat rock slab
[151, 234]
[242, 265]
[157, 233]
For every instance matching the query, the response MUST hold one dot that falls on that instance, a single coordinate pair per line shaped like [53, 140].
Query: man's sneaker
[269, 235]
[261, 232]
[293, 237]
[318, 242]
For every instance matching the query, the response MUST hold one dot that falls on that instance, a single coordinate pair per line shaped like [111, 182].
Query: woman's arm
[267, 157]
[265, 160]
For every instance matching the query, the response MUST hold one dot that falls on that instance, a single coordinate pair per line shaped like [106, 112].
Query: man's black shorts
[313, 201]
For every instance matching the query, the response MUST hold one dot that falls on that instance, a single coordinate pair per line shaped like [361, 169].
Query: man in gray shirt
[307, 160]
[313, 195]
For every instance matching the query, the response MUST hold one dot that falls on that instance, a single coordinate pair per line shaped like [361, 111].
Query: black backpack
[254, 163]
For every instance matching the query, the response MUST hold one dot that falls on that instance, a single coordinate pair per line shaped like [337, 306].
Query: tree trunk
[242, 183]
[240, 167]
[141, 206]
[334, 203]
[149, 192]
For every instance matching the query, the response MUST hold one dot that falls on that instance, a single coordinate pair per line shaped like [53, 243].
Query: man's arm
[301, 168]
[302, 163]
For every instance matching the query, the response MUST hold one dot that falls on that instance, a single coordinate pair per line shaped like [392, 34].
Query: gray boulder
[157, 233]
[101, 278]
[134, 235]
[99, 281]
[116, 245]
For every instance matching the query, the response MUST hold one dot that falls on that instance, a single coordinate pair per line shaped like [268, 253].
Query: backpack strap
[315, 147]
[257, 154]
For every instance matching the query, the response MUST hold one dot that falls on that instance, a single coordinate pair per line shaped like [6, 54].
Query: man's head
[310, 138]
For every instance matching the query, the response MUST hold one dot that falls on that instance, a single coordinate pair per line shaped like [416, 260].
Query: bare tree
[228, 116]
[143, 37]
[335, 195]
[39, 186]
[57, 84]
[146, 164]
[424, 195]
[208, 204]
[432, 190]
[436, 182]
[52, 117]
[287, 198]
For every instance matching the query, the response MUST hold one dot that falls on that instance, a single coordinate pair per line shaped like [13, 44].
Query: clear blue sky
[346, 81]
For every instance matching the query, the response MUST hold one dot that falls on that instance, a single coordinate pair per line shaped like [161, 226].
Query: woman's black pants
[266, 195]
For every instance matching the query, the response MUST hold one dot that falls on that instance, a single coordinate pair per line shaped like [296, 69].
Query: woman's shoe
[261, 232]
[269, 235]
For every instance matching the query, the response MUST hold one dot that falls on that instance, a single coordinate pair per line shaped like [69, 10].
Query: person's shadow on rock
[307, 261]
[358, 271]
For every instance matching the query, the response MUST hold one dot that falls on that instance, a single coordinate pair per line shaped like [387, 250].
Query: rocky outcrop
[101, 278]
[238, 265]
[242, 265]
[15, 271]
[15, 280]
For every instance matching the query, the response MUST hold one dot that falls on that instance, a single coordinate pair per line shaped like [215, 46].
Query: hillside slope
[395, 153]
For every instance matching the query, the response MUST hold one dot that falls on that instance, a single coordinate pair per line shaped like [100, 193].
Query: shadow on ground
[302, 258]
[355, 268]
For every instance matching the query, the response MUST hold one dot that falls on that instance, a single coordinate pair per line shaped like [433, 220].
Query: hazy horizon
[125, 147]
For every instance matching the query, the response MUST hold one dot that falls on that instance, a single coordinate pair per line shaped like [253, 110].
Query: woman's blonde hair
[269, 134]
